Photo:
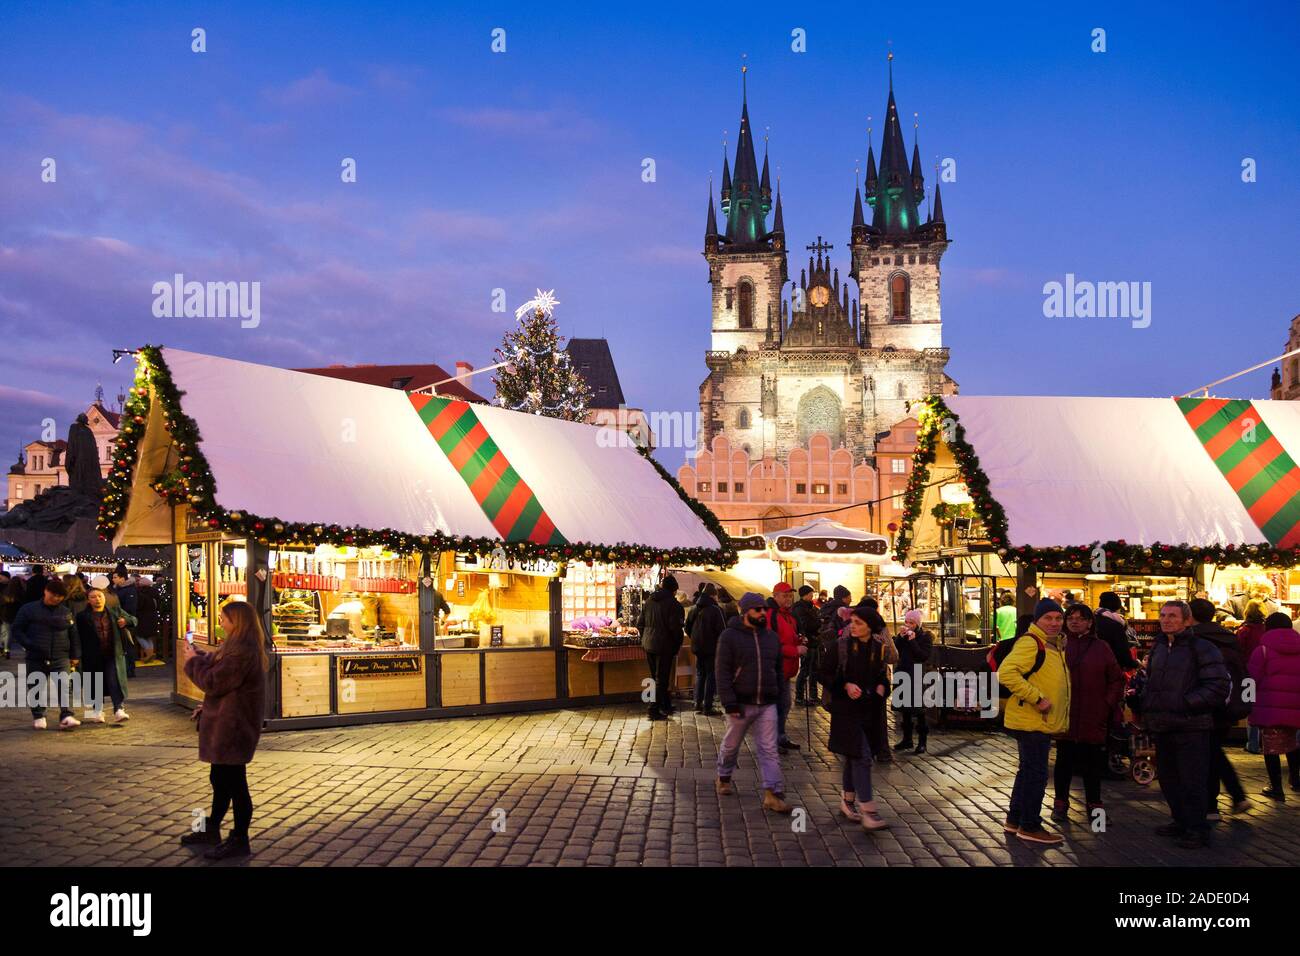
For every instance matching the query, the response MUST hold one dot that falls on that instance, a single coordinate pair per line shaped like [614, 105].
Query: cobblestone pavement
[596, 786]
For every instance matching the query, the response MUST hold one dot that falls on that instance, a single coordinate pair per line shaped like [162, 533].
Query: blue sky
[518, 170]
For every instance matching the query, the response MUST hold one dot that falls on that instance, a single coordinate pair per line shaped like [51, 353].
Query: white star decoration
[545, 301]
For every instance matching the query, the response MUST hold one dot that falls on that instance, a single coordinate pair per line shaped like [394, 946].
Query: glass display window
[192, 587]
[495, 603]
[344, 599]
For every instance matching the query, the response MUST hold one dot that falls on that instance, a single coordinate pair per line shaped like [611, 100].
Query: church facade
[791, 358]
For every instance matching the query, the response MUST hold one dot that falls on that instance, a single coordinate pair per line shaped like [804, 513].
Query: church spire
[711, 224]
[895, 201]
[778, 223]
[750, 203]
[938, 205]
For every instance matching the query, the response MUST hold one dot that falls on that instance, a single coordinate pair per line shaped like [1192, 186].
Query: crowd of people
[762, 655]
[94, 624]
[1066, 673]
[1067, 670]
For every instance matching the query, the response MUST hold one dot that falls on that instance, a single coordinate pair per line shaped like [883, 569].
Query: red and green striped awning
[1253, 462]
[511, 506]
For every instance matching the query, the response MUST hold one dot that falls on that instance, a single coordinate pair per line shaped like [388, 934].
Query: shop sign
[381, 665]
[498, 562]
[877, 546]
[498, 635]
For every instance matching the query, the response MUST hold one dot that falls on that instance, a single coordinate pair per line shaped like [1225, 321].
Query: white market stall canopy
[299, 448]
[828, 541]
[1196, 473]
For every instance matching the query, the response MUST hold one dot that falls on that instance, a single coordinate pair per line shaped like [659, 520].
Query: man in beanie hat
[748, 671]
[662, 627]
[1037, 676]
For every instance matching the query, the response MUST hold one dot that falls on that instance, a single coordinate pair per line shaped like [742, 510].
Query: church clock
[819, 296]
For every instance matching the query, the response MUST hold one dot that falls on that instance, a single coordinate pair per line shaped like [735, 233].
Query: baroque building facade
[789, 358]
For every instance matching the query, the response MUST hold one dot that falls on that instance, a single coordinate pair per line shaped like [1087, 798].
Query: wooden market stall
[1154, 499]
[410, 555]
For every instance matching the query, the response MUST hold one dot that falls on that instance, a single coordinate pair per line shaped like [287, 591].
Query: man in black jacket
[748, 670]
[805, 614]
[1228, 712]
[662, 635]
[44, 629]
[1186, 682]
[706, 626]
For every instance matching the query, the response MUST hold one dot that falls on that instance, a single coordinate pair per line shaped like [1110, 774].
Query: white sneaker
[67, 723]
[120, 715]
[39, 723]
[93, 717]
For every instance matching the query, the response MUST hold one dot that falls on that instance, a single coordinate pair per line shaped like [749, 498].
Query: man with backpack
[1222, 773]
[749, 674]
[1186, 683]
[1034, 672]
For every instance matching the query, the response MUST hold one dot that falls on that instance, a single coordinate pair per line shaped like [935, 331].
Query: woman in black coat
[854, 668]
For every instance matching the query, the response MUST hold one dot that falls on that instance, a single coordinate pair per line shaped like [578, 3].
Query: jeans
[661, 671]
[1183, 762]
[1089, 759]
[857, 773]
[762, 717]
[1026, 807]
[782, 708]
[705, 683]
[230, 786]
[111, 686]
[51, 668]
[1222, 772]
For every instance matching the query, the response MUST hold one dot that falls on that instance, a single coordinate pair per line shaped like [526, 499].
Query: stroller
[1131, 749]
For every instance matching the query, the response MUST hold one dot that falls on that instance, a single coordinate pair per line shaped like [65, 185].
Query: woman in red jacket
[233, 681]
[1275, 668]
[1096, 687]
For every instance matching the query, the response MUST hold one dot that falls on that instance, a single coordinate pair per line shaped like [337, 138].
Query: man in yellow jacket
[1038, 708]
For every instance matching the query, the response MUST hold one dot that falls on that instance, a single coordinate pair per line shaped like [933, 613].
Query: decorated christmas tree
[539, 377]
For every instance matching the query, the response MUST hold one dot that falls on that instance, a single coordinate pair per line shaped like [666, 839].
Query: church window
[800, 488]
[902, 390]
[900, 296]
[746, 303]
[722, 487]
[742, 418]
[731, 298]
[841, 488]
[819, 488]
[911, 260]
[925, 257]
[739, 487]
[1295, 371]
[820, 411]
[706, 486]
[898, 260]
[875, 260]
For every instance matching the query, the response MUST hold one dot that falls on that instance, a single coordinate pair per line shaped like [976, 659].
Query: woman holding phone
[233, 681]
[854, 669]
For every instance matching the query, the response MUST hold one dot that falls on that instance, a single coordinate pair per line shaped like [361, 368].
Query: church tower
[747, 265]
[896, 256]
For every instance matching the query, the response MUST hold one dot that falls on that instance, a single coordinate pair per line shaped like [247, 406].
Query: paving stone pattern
[596, 786]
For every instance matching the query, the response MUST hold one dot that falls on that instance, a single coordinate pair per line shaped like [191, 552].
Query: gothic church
[822, 357]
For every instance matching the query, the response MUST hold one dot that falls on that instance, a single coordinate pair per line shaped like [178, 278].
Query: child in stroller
[1131, 748]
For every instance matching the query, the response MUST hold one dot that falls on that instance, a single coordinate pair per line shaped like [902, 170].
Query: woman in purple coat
[233, 681]
[1275, 667]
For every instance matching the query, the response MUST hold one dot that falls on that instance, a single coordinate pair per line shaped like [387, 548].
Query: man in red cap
[781, 620]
